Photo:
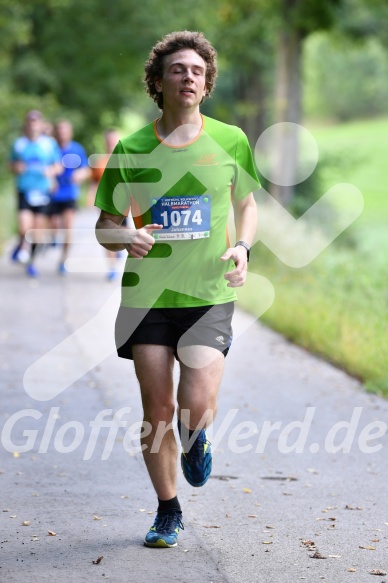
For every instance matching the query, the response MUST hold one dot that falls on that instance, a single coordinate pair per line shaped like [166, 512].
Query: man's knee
[156, 413]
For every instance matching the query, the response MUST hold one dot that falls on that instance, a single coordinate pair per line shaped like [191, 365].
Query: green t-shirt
[188, 190]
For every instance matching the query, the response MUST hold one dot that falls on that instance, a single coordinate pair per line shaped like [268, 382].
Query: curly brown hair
[172, 43]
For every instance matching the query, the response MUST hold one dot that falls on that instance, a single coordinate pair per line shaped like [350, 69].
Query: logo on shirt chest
[206, 160]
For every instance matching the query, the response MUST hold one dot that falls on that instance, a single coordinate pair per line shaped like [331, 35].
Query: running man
[178, 175]
[36, 161]
[67, 190]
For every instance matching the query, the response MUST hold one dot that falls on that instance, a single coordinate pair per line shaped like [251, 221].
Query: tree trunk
[251, 98]
[288, 108]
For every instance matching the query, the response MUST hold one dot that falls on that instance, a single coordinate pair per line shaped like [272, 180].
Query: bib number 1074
[181, 218]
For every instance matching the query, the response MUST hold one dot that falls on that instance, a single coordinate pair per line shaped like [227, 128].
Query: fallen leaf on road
[334, 556]
[142, 509]
[267, 542]
[351, 570]
[34, 537]
[317, 555]
[349, 507]
[124, 497]
[95, 517]
[367, 547]
[51, 533]
[26, 522]
[312, 471]
[16, 454]
[375, 540]
[97, 561]
[252, 516]
[12, 516]
[247, 490]
[378, 572]
[308, 543]
[211, 526]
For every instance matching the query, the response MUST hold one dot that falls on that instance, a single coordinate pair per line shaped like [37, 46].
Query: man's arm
[17, 166]
[111, 235]
[54, 170]
[245, 218]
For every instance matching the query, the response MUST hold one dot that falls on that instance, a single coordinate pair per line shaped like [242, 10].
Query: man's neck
[33, 136]
[177, 128]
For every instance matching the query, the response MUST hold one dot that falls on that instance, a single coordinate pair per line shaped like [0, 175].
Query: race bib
[182, 217]
[37, 198]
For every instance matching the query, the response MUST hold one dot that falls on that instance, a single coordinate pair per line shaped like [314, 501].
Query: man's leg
[67, 217]
[25, 222]
[154, 370]
[154, 367]
[199, 384]
[197, 399]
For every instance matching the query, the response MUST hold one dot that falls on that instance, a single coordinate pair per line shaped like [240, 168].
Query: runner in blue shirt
[35, 160]
[67, 189]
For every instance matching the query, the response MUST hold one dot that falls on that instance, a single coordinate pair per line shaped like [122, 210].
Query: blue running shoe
[165, 530]
[32, 271]
[15, 254]
[62, 269]
[197, 462]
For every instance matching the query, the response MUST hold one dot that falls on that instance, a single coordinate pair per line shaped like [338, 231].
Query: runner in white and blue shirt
[35, 160]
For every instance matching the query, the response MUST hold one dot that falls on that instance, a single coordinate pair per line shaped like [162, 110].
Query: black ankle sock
[165, 505]
[191, 431]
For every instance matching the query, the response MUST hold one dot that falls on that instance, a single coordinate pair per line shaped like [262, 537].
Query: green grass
[337, 306]
[8, 202]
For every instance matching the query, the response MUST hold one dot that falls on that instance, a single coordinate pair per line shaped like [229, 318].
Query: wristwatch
[247, 247]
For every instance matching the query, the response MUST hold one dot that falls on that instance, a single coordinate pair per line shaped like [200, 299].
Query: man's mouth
[187, 91]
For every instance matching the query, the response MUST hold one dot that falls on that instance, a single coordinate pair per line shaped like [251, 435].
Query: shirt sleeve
[245, 180]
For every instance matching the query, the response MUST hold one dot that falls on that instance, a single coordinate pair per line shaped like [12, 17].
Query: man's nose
[189, 75]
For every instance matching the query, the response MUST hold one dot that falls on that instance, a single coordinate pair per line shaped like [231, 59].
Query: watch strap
[247, 247]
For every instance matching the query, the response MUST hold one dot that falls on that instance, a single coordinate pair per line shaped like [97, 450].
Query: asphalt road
[300, 452]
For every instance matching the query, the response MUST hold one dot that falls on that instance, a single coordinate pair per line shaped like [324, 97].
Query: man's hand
[142, 241]
[237, 276]
[18, 167]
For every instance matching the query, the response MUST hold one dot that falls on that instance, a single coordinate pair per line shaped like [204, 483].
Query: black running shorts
[57, 207]
[201, 325]
[24, 205]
